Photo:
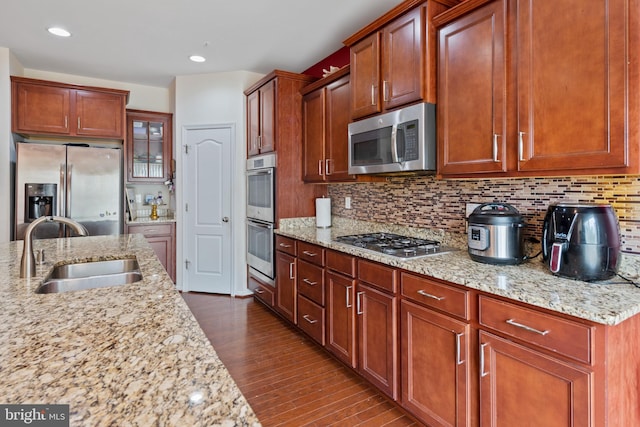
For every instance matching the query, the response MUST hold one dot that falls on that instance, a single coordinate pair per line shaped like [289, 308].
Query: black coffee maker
[581, 241]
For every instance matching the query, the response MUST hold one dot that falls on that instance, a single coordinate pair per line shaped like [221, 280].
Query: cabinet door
[402, 63]
[521, 386]
[268, 117]
[253, 123]
[41, 109]
[472, 132]
[377, 339]
[99, 114]
[572, 84]
[435, 366]
[148, 146]
[341, 330]
[162, 247]
[338, 116]
[286, 285]
[313, 119]
[365, 77]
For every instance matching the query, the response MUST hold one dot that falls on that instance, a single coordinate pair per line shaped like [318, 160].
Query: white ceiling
[149, 41]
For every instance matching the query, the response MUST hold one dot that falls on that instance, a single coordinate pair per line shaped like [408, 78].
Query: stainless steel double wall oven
[261, 213]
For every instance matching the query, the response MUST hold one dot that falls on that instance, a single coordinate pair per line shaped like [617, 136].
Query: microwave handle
[394, 144]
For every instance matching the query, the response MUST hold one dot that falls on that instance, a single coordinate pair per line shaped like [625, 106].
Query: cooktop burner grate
[394, 244]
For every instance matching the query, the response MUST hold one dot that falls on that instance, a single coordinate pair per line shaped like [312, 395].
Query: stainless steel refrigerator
[76, 181]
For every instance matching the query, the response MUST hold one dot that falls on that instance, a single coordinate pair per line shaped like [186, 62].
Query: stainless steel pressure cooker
[495, 234]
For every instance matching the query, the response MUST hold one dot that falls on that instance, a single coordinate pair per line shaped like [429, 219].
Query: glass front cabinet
[148, 146]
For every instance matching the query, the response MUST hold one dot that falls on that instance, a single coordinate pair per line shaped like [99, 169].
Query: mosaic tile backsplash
[424, 201]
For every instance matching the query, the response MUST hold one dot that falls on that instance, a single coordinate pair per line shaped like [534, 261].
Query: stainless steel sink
[88, 275]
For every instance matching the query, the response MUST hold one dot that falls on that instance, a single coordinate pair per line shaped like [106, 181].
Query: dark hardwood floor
[287, 379]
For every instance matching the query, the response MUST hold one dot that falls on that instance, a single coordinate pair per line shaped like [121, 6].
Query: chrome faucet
[28, 261]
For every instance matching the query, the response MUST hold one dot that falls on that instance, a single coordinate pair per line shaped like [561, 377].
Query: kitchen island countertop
[609, 302]
[123, 355]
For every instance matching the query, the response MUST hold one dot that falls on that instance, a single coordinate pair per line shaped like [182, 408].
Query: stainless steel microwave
[402, 140]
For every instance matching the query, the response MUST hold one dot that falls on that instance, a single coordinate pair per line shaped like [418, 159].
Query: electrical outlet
[347, 202]
[470, 208]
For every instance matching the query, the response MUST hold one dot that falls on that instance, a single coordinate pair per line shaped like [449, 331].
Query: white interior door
[207, 193]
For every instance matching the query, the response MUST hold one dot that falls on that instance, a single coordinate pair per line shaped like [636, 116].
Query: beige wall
[140, 97]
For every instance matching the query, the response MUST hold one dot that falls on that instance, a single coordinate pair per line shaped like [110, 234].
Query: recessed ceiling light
[61, 32]
[197, 58]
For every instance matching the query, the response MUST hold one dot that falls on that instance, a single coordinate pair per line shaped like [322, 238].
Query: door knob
[225, 219]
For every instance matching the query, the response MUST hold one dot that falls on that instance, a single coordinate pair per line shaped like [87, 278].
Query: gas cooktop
[395, 245]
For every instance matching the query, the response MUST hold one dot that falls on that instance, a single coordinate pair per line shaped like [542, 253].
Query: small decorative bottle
[154, 210]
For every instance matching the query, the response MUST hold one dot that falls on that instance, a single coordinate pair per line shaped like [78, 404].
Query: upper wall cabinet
[269, 104]
[325, 121]
[148, 147]
[48, 108]
[393, 59]
[538, 88]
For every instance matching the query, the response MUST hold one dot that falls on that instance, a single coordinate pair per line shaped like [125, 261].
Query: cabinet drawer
[285, 244]
[311, 281]
[151, 229]
[311, 319]
[342, 263]
[263, 292]
[437, 295]
[381, 276]
[560, 335]
[311, 253]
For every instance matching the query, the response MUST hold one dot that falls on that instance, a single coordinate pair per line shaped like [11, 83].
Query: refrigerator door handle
[69, 191]
[60, 206]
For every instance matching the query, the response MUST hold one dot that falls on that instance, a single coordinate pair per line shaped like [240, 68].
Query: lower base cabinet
[435, 366]
[341, 317]
[519, 386]
[377, 339]
[454, 356]
[162, 239]
[286, 266]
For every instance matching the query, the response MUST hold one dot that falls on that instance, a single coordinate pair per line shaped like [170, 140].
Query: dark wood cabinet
[472, 98]
[325, 122]
[49, 108]
[526, 108]
[162, 238]
[261, 125]
[435, 351]
[377, 311]
[518, 383]
[149, 147]
[377, 338]
[341, 315]
[393, 59]
[286, 266]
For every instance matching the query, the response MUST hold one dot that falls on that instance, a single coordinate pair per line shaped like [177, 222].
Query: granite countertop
[608, 302]
[130, 355]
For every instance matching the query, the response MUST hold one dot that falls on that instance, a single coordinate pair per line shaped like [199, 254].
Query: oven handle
[267, 171]
[265, 225]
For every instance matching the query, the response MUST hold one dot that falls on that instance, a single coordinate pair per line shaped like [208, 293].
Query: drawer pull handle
[526, 328]
[259, 291]
[459, 349]
[307, 253]
[291, 273]
[483, 373]
[359, 302]
[284, 245]
[309, 319]
[309, 282]
[428, 295]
